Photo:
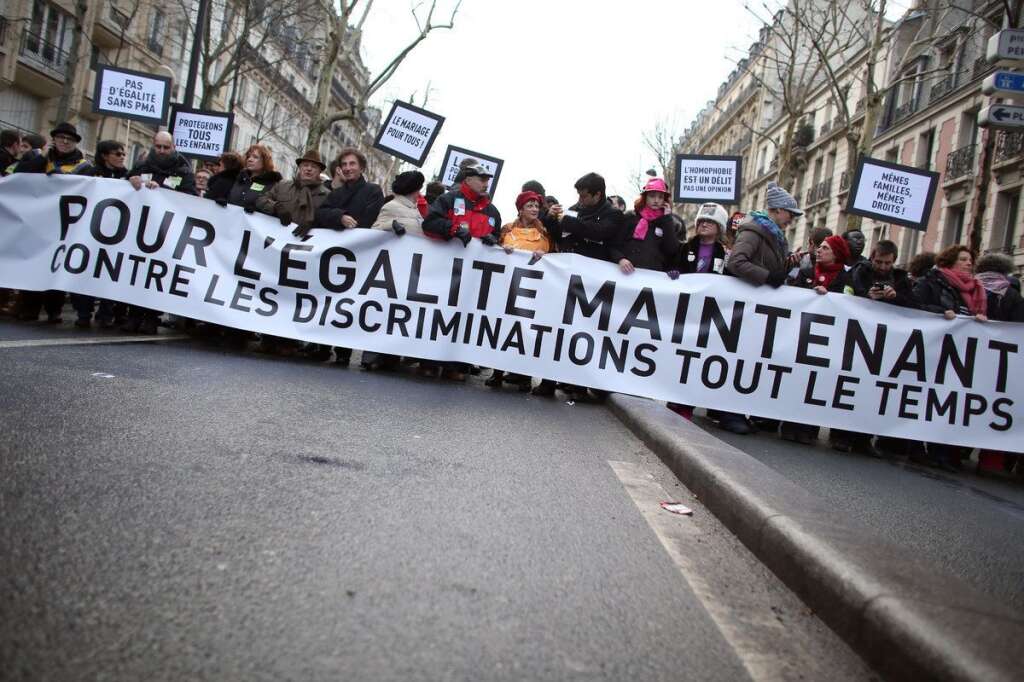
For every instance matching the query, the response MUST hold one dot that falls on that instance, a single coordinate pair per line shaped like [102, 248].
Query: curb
[904, 619]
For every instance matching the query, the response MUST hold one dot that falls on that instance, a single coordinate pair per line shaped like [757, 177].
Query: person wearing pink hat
[649, 238]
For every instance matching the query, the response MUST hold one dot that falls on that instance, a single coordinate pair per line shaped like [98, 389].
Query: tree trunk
[784, 175]
[318, 123]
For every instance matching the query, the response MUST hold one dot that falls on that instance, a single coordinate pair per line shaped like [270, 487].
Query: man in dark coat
[164, 168]
[880, 281]
[63, 158]
[590, 225]
[355, 203]
[10, 149]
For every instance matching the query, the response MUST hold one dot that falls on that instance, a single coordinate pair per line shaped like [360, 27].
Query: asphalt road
[968, 526]
[175, 511]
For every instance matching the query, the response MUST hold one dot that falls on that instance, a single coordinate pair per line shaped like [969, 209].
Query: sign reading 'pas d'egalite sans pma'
[131, 94]
[892, 193]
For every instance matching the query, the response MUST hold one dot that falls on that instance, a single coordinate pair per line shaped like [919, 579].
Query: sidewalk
[907, 619]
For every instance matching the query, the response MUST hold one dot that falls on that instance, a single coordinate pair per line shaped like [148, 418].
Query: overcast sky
[558, 88]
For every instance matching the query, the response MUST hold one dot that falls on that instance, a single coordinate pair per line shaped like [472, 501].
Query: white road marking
[32, 343]
[678, 535]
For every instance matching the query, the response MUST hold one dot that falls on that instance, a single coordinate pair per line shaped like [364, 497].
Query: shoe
[805, 438]
[317, 354]
[453, 375]
[544, 389]
[83, 323]
[496, 380]
[148, 326]
[735, 423]
[789, 432]
[428, 371]
[525, 386]
[343, 361]
[841, 445]
[131, 325]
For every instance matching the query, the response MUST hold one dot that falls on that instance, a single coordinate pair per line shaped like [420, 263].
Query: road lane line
[32, 343]
[678, 535]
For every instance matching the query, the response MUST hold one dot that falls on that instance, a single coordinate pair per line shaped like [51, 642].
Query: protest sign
[892, 193]
[131, 94]
[408, 132]
[200, 134]
[708, 178]
[453, 156]
[831, 360]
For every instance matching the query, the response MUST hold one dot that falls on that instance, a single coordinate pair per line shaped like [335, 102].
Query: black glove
[673, 274]
[222, 202]
[463, 235]
[776, 279]
[301, 231]
[397, 228]
[285, 217]
[249, 209]
[489, 240]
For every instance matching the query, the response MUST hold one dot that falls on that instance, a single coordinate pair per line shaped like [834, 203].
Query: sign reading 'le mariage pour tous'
[408, 133]
[893, 193]
[131, 94]
[701, 178]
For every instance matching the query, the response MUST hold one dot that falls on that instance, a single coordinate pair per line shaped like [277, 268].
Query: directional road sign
[1001, 116]
[1004, 84]
[1008, 44]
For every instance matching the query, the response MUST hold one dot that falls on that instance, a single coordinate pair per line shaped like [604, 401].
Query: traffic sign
[1001, 116]
[1004, 84]
[1008, 44]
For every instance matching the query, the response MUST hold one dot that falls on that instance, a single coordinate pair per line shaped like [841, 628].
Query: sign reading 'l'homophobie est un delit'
[701, 178]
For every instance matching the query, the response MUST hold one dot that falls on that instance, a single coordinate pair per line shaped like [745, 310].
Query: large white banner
[705, 340]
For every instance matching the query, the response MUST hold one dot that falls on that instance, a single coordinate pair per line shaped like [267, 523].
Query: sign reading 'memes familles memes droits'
[892, 193]
[701, 178]
[124, 93]
[408, 132]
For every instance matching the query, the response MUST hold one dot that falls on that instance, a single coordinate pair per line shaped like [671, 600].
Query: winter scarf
[824, 275]
[527, 237]
[995, 282]
[970, 288]
[762, 219]
[646, 215]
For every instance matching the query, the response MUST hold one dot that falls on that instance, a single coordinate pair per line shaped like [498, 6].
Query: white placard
[131, 94]
[408, 132]
[453, 156]
[892, 193]
[203, 134]
[701, 178]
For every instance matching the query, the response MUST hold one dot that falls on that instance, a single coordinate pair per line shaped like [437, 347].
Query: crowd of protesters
[646, 235]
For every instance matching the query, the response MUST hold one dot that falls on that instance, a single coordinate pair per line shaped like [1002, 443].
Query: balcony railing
[44, 54]
[943, 87]
[1009, 146]
[825, 129]
[960, 163]
[820, 192]
[119, 18]
[905, 110]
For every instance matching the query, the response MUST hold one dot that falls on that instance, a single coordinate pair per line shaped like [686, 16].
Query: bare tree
[343, 37]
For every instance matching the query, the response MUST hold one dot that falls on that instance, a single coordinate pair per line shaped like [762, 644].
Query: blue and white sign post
[1006, 49]
[1004, 84]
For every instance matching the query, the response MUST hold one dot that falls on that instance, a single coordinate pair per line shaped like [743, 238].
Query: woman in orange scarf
[526, 233]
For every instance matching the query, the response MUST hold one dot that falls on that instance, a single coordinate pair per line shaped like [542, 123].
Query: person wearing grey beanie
[761, 253]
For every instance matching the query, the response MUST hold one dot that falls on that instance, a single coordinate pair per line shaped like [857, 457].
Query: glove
[397, 228]
[673, 274]
[301, 231]
[776, 279]
[489, 240]
[249, 209]
[463, 235]
[285, 217]
[222, 202]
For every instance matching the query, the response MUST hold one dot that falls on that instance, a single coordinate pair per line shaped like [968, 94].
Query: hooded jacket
[590, 232]
[295, 199]
[755, 254]
[173, 171]
[359, 199]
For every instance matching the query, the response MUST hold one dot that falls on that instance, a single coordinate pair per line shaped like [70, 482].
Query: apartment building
[271, 94]
[929, 72]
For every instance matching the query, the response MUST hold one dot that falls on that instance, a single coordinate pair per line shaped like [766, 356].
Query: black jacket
[863, 277]
[658, 250]
[687, 260]
[165, 169]
[101, 171]
[1006, 308]
[53, 163]
[247, 187]
[6, 159]
[219, 185]
[936, 295]
[438, 223]
[359, 199]
[590, 232]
